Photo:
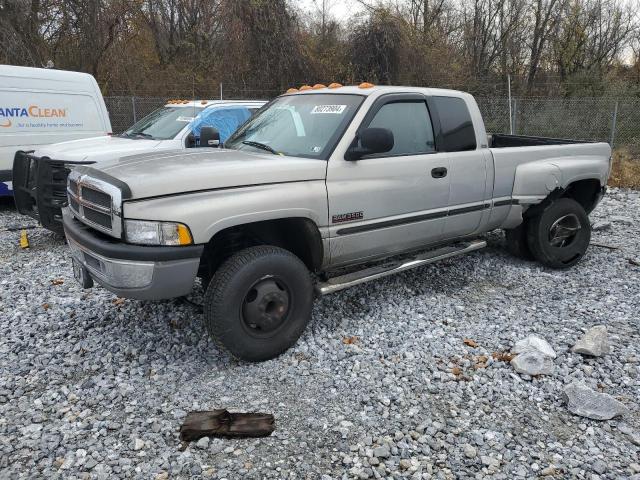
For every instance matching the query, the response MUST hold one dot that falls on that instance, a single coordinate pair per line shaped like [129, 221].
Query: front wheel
[259, 302]
[559, 236]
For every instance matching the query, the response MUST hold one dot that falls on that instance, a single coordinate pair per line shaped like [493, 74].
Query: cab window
[458, 134]
[411, 126]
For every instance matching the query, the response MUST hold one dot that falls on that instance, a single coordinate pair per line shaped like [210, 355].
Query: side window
[225, 119]
[410, 124]
[455, 122]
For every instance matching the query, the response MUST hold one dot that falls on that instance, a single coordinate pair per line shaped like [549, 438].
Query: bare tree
[546, 15]
[376, 48]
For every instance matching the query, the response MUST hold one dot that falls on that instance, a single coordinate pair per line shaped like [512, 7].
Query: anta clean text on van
[42, 106]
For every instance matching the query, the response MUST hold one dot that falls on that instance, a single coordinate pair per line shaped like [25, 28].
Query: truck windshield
[307, 125]
[163, 124]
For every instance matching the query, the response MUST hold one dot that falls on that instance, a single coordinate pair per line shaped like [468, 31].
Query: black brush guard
[40, 188]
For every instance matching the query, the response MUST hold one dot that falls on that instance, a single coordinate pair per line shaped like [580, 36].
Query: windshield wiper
[261, 146]
[142, 134]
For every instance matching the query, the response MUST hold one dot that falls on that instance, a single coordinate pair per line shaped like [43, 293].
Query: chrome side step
[379, 271]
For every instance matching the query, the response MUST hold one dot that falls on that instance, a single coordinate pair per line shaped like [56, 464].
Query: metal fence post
[510, 109]
[133, 109]
[514, 118]
[613, 124]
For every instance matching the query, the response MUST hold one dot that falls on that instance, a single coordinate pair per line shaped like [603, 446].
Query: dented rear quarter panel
[529, 174]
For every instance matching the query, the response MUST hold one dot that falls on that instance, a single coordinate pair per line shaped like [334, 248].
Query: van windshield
[163, 124]
[306, 125]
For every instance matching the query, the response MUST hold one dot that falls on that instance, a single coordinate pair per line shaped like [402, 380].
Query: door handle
[439, 172]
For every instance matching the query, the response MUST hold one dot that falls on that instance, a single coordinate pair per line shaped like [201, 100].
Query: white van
[40, 177]
[41, 106]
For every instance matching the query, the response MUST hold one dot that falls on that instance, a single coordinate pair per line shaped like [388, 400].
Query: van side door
[387, 203]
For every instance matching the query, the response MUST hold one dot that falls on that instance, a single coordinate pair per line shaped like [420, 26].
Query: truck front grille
[73, 187]
[96, 197]
[91, 205]
[96, 217]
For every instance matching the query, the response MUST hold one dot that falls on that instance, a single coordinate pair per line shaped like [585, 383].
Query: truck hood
[179, 171]
[96, 149]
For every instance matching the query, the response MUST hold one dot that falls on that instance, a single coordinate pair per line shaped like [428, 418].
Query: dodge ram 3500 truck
[310, 193]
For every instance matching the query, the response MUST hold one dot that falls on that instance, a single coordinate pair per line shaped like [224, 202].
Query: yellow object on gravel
[24, 240]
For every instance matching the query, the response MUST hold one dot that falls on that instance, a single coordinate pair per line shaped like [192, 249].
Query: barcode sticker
[337, 109]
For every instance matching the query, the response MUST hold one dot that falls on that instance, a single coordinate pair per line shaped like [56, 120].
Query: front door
[387, 203]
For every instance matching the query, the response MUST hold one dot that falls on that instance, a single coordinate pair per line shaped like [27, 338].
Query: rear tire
[517, 241]
[559, 236]
[259, 302]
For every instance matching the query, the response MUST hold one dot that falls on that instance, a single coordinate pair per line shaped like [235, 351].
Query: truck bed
[503, 140]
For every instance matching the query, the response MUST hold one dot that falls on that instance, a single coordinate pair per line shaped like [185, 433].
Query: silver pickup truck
[325, 188]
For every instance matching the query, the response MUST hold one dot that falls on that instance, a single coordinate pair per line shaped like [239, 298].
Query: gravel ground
[382, 383]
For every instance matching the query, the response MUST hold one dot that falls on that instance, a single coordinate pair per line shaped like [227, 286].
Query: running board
[373, 273]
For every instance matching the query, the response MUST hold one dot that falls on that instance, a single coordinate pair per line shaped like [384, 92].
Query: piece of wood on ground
[221, 423]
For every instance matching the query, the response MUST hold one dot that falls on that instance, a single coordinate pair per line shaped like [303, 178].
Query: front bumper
[40, 187]
[132, 271]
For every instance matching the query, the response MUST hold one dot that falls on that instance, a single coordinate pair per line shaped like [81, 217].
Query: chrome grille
[96, 197]
[94, 216]
[74, 204]
[95, 203]
[73, 187]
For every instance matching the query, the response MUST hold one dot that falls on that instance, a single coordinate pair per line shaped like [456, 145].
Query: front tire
[259, 302]
[559, 236]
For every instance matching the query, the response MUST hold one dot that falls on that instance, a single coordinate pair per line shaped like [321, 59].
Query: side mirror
[371, 140]
[190, 142]
[209, 137]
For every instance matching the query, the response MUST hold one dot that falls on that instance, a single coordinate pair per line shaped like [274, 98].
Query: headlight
[157, 233]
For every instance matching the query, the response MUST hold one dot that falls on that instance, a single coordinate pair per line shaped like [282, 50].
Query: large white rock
[533, 342]
[583, 401]
[594, 342]
[533, 362]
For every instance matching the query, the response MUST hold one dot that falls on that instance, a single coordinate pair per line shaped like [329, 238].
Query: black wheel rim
[564, 231]
[265, 307]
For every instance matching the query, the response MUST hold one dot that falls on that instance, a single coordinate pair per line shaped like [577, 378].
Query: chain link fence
[125, 111]
[603, 119]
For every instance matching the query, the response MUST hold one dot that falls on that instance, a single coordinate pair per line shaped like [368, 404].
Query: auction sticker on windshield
[338, 109]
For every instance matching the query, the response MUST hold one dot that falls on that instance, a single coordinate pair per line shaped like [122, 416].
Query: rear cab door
[463, 142]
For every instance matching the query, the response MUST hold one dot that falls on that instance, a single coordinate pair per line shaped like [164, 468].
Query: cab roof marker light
[318, 86]
[292, 90]
[335, 85]
[305, 87]
[203, 102]
[366, 85]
